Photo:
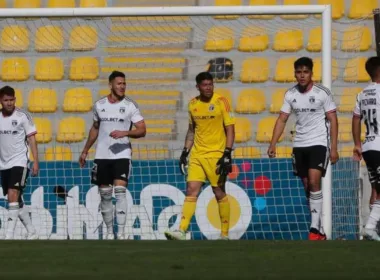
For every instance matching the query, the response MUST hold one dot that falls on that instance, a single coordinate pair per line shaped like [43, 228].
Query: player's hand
[271, 151]
[334, 156]
[82, 159]
[116, 134]
[35, 168]
[183, 161]
[224, 164]
[357, 153]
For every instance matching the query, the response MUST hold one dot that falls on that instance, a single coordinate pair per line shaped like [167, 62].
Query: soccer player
[316, 136]
[114, 116]
[368, 108]
[17, 130]
[210, 138]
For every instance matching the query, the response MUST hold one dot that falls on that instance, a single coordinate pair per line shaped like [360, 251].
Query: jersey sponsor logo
[211, 107]
[369, 92]
[8, 132]
[111, 120]
[312, 99]
[302, 110]
[369, 101]
[203, 117]
[14, 122]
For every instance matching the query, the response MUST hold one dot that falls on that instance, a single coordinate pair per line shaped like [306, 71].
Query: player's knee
[219, 193]
[314, 185]
[13, 195]
[105, 193]
[193, 188]
[120, 192]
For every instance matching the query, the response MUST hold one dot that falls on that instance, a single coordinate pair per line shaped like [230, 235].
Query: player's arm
[31, 131]
[92, 136]
[139, 124]
[330, 110]
[189, 141]
[356, 131]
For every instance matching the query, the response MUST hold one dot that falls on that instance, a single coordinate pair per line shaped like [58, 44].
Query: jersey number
[370, 121]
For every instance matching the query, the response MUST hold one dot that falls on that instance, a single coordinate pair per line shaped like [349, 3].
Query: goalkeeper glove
[183, 160]
[224, 164]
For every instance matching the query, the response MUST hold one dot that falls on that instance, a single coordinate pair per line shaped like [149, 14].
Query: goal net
[60, 66]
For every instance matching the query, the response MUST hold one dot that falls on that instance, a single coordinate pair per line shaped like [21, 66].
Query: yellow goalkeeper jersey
[210, 119]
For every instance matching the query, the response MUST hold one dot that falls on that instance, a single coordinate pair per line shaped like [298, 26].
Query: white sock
[121, 208]
[13, 209]
[106, 207]
[24, 217]
[316, 200]
[374, 216]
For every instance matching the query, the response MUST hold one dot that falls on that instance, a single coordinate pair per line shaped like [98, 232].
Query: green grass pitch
[196, 260]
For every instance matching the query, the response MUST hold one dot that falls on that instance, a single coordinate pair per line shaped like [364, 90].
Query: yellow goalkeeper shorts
[202, 169]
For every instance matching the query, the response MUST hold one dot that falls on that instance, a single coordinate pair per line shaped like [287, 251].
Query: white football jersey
[115, 116]
[14, 130]
[368, 108]
[310, 108]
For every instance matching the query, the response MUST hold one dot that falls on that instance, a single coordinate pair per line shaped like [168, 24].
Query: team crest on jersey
[122, 110]
[312, 99]
[211, 107]
[14, 123]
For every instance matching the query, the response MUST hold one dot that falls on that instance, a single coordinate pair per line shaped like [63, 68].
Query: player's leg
[298, 163]
[24, 217]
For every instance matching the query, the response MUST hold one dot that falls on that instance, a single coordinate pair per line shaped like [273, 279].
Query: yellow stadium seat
[337, 7]
[265, 129]
[284, 152]
[71, 129]
[77, 100]
[150, 153]
[314, 43]
[345, 131]
[357, 38]
[14, 38]
[253, 39]
[288, 40]
[255, 70]
[295, 2]
[348, 99]
[26, 3]
[44, 130]
[225, 92]
[262, 3]
[61, 4]
[360, 9]
[42, 100]
[355, 70]
[3, 4]
[15, 69]
[58, 153]
[250, 101]
[93, 3]
[49, 39]
[243, 130]
[49, 69]
[246, 152]
[346, 151]
[83, 38]
[285, 70]
[84, 69]
[219, 39]
[317, 70]
[277, 100]
[227, 3]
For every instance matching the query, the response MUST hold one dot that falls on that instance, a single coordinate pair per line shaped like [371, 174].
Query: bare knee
[193, 188]
[13, 195]
[314, 185]
[219, 193]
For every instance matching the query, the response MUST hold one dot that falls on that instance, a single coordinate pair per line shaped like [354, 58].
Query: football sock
[224, 214]
[188, 211]
[374, 216]
[13, 210]
[106, 207]
[121, 208]
[24, 217]
[316, 200]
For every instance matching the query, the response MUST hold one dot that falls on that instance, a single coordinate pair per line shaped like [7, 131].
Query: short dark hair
[115, 74]
[203, 76]
[372, 66]
[7, 90]
[304, 61]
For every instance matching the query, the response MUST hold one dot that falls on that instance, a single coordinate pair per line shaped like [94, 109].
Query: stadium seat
[243, 130]
[262, 3]
[143, 153]
[71, 129]
[295, 2]
[43, 126]
[15, 69]
[42, 100]
[58, 153]
[346, 151]
[3, 4]
[49, 69]
[228, 3]
[255, 70]
[77, 100]
[14, 38]
[61, 4]
[26, 4]
[348, 99]
[360, 9]
[219, 39]
[355, 70]
[284, 152]
[246, 152]
[151, 93]
[317, 71]
[265, 130]
[93, 3]
[337, 7]
[314, 43]
[225, 92]
[288, 40]
[277, 100]
[83, 38]
[345, 131]
[250, 101]
[285, 70]
[357, 38]
[253, 39]
[84, 69]
[49, 39]
[159, 133]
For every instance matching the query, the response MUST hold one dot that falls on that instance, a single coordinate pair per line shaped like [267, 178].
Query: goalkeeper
[210, 138]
